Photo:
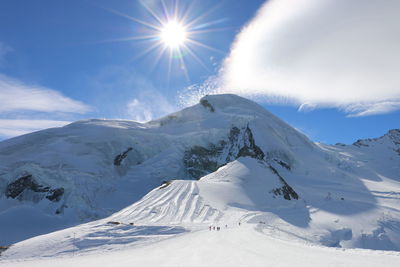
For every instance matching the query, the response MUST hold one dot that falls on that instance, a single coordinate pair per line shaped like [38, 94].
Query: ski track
[174, 204]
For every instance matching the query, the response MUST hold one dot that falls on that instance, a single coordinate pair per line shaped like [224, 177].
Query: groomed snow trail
[180, 203]
[234, 246]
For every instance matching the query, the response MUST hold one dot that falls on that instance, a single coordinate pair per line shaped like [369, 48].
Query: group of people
[213, 228]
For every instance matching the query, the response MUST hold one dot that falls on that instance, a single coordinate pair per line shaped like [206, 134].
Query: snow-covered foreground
[169, 227]
[233, 246]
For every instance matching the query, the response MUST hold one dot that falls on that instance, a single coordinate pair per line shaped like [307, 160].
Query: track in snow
[180, 203]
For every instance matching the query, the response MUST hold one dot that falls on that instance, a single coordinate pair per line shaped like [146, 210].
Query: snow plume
[18, 96]
[191, 95]
[320, 53]
[148, 105]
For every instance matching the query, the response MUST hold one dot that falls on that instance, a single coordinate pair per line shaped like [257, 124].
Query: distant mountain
[224, 160]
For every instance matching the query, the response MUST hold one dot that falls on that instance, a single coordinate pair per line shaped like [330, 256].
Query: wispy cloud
[18, 96]
[319, 53]
[10, 128]
[26, 108]
[128, 94]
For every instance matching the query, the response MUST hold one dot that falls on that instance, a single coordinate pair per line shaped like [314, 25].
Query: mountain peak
[231, 103]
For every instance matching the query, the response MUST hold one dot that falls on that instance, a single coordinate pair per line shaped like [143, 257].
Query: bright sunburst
[173, 34]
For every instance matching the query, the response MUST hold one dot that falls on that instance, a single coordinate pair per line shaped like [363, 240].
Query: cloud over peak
[320, 53]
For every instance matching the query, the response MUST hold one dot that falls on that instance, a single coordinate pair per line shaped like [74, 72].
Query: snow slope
[236, 246]
[82, 159]
[255, 169]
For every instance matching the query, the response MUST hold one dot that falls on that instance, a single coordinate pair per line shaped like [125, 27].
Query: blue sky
[62, 61]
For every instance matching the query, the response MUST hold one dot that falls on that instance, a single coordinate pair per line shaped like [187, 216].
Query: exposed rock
[286, 190]
[340, 144]
[55, 194]
[15, 188]
[206, 104]
[164, 184]
[114, 223]
[283, 164]
[250, 149]
[3, 248]
[360, 143]
[27, 182]
[394, 135]
[200, 161]
[119, 158]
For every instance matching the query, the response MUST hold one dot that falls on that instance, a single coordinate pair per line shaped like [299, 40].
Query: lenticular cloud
[330, 53]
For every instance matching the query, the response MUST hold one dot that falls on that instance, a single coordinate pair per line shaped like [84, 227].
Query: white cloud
[320, 53]
[11, 128]
[18, 96]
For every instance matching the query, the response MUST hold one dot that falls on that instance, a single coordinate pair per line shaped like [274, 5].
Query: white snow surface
[349, 195]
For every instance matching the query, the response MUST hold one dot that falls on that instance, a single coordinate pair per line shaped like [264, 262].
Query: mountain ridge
[103, 166]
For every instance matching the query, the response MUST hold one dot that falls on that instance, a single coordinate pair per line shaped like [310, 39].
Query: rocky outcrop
[27, 182]
[361, 142]
[206, 104]
[286, 190]
[283, 164]
[15, 188]
[55, 194]
[392, 135]
[120, 157]
[3, 248]
[200, 161]
[249, 148]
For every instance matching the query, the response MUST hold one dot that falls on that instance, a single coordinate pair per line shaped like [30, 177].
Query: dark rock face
[360, 143]
[340, 144]
[3, 248]
[250, 149]
[286, 190]
[27, 182]
[119, 158]
[283, 164]
[200, 161]
[206, 104]
[15, 188]
[55, 194]
[394, 135]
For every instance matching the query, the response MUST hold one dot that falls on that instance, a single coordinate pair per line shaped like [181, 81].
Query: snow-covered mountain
[223, 161]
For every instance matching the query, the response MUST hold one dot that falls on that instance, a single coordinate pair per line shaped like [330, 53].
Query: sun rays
[172, 33]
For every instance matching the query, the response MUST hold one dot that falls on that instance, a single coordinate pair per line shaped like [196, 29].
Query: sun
[173, 34]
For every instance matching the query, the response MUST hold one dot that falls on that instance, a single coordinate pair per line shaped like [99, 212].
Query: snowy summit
[123, 193]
